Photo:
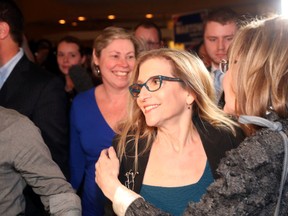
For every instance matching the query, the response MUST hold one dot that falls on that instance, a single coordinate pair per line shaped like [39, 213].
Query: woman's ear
[190, 98]
[95, 58]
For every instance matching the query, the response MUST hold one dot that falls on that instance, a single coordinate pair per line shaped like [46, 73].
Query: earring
[189, 100]
[98, 70]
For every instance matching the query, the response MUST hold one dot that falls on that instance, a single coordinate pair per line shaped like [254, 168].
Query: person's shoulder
[35, 72]
[84, 102]
[10, 114]
[206, 127]
[270, 140]
[12, 119]
[269, 134]
[20, 136]
[265, 146]
[44, 75]
[84, 96]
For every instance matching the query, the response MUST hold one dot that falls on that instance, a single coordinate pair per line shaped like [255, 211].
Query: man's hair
[149, 24]
[222, 15]
[12, 15]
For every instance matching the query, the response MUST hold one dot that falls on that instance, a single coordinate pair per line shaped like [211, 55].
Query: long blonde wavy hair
[258, 60]
[196, 79]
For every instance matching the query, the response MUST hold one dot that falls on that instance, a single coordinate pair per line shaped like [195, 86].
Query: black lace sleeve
[140, 208]
[248, 185]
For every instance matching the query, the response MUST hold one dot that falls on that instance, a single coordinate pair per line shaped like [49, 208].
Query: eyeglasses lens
[154, 83]
[135, 89]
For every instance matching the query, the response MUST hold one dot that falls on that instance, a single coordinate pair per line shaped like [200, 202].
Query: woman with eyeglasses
[253, 177]
[174, 135]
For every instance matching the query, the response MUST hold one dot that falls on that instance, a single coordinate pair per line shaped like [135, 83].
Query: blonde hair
[106, 37]
[259, 65]
[197, 80]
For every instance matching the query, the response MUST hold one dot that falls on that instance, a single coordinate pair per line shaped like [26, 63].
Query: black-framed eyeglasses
[153, 84]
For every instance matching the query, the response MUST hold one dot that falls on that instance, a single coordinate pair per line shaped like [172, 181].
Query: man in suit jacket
[29, 89]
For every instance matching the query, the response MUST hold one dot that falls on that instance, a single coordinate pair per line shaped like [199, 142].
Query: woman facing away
[250, 175]
[95, 113]
[175, 135]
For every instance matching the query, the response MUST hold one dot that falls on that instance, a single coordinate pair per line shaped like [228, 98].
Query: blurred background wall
[42, 16]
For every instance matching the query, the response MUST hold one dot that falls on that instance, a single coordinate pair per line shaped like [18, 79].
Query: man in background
[32, 91]
[150, 34]
[220, 26]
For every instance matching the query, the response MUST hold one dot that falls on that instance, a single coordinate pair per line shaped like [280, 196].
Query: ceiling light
[81, 18]
[62, 21]
[149, 16]
[111, 17]
[74, 23]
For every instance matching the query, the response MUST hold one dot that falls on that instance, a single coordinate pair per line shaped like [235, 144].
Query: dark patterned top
[249, 181]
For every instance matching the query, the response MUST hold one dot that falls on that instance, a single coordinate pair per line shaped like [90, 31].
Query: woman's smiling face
[116, 62]
[168, 104]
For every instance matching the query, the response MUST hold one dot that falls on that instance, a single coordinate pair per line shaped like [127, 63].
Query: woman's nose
[65, 59]
[123, 62]
[144, 93]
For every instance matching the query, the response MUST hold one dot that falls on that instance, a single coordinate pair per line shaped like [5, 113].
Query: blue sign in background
[188, 28]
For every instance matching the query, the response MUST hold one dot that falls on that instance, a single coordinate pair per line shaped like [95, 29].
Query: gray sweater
[25, 159]
[249, 181]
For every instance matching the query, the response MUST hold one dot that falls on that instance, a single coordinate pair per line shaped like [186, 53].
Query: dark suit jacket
[40, 96]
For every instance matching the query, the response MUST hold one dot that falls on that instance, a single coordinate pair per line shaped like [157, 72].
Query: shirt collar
[7, 68]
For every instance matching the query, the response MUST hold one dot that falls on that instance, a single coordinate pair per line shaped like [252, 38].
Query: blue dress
[89, 134]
